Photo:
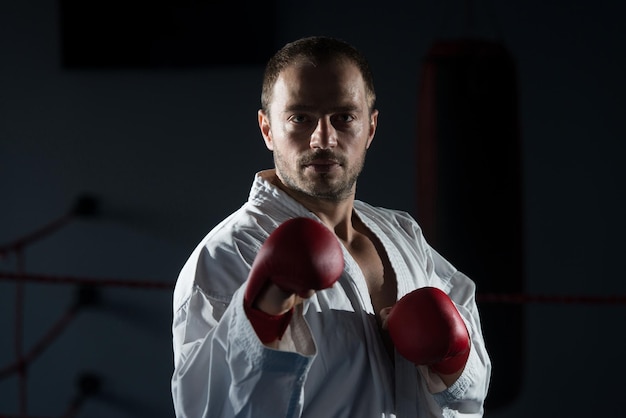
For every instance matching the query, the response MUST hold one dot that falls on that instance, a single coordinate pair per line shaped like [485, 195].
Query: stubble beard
[325, 186]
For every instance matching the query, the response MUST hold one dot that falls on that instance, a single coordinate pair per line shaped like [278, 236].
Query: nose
[324, 136]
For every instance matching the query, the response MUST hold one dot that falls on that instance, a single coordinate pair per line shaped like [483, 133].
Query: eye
[343, 118]
[299, 118]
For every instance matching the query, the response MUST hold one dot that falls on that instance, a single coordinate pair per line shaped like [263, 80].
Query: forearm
[466, 392]
[228, 371]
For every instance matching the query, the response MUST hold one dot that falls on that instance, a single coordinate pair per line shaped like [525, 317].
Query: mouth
[322, 165]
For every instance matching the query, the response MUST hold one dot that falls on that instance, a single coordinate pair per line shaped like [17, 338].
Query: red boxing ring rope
[505, 298]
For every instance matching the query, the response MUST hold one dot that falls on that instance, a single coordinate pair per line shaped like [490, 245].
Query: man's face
[319, 128]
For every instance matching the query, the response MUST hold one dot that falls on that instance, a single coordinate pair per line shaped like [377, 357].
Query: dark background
[166, 139]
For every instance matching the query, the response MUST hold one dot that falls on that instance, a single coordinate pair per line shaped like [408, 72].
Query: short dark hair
[316, 49]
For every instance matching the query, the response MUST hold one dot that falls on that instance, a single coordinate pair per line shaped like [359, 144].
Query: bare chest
[372, 259]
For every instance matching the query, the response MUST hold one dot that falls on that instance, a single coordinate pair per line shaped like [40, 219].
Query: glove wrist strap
[268, 327]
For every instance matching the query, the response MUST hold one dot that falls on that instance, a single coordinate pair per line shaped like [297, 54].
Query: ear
[372, 127]
[266, 130]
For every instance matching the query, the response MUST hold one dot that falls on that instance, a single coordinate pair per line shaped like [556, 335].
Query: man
[322, 340]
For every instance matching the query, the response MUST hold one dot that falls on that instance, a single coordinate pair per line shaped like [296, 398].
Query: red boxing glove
[299, 256]
[427, 329]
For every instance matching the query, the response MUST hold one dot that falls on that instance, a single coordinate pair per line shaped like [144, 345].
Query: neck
[336, 215]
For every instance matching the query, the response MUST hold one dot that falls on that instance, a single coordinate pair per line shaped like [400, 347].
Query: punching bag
[469, 186]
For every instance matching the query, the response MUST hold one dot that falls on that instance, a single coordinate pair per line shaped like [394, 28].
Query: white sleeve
[466, 396]
[222, 368]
